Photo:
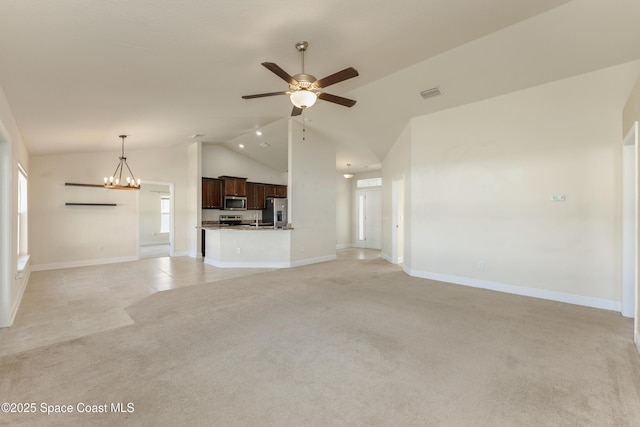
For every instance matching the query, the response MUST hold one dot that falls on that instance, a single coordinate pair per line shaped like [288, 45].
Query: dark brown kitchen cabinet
[234, 186]
[281, 191]
[211, 193]
[274, 190]
[256, 194]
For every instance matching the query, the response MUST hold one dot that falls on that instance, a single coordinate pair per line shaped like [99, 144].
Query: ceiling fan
[305, 89]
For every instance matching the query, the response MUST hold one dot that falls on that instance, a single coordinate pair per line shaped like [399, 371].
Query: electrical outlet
[480, 265]
[237, 250]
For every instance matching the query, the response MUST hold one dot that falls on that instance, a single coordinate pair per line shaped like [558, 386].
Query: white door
[369, 219]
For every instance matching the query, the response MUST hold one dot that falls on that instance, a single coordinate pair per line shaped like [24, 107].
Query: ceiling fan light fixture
[303, 98]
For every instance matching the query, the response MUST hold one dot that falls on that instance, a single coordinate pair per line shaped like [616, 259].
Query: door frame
[362, 191]
[171, 215]
[630, 294]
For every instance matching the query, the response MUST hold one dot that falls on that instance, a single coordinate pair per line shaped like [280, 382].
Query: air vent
[265, 144]
[430, 93]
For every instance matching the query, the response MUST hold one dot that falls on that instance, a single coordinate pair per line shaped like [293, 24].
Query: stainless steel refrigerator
[275, 212]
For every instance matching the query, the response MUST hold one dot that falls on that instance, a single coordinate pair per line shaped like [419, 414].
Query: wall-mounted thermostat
[558, 198]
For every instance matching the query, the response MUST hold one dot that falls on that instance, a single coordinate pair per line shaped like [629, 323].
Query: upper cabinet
[214, 190]
[256, 194]
[211, 193]
[234, 186]
[273, 190]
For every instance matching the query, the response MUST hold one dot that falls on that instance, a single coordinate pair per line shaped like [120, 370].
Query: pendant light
[348, 175]
[114, 182]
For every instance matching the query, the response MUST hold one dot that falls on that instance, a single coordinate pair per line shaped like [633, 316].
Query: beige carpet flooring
[344, 343]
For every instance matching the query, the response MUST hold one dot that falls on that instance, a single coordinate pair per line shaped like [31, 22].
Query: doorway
[155, 213]
[369, 218]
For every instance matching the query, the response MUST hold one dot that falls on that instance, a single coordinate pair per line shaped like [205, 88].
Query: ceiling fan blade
[262, 95]
[296, 111]
[334, 78]
[337, 99]
[275, 69]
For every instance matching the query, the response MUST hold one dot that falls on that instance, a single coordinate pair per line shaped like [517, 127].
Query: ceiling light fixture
[241, 145]
[348, 175]
[259, 132]
[114, 182]
[303, 98]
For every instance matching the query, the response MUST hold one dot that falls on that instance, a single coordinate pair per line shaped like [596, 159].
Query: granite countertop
[215, 225]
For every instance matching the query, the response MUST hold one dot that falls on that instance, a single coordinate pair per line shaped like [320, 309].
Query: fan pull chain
[304, 126]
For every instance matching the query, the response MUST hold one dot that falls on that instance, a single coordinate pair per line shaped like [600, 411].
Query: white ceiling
[78, 73]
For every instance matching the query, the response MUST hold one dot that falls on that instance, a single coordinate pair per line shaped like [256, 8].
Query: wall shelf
[89, 204]
[75, 184]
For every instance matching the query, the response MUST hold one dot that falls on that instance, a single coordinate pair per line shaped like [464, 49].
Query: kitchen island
[247, 246]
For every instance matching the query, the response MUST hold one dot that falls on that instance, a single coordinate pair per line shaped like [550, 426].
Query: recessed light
[259, 132]
[241, 145]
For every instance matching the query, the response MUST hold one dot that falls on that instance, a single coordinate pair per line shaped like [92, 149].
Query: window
[371, 182]
[165, 214]
[22, 213]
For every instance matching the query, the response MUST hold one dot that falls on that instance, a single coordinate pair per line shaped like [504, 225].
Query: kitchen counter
[232, 247]
[243, 227]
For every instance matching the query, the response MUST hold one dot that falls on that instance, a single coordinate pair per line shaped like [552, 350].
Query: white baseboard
[153, 243]
[387, 257]
[637, 340]
[82, 263]
[24, 278]
[518, 290]
[245, 264]
[344, 245]
[267, 264]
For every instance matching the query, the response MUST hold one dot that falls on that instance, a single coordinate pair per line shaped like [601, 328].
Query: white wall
[218, 160]
[12, 151]
[482, 178]
[65, 236]
[312, 195]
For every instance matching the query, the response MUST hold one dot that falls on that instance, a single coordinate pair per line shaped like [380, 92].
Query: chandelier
[115, 182]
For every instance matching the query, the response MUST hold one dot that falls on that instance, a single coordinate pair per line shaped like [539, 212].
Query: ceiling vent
[430, 93]
[265, 144]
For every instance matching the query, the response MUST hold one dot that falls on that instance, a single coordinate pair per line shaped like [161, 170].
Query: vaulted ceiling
[78, 73]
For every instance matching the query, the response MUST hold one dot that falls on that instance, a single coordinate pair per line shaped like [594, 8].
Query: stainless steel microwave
[235, 203]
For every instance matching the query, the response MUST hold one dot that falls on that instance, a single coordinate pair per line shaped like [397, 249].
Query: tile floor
[68, 303]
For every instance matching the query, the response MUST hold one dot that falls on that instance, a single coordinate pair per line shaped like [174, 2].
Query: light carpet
[346, 343]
